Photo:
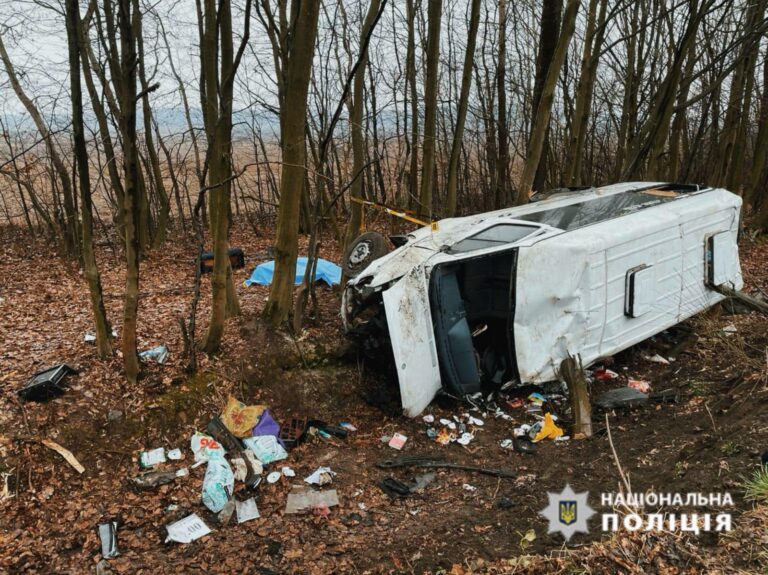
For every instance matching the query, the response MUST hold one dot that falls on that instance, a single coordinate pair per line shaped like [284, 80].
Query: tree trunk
[91, 270]
[502, 184]
[127, 13]
[549, 32]
[220, 67]
[593, 42]
[466, 85]
[572, 372]
[541, 122]
[154, 171]
[434, 14]
[297, 67]
[761, 145]
[655, 128]
[628, 106]
[410, 77]
[678, 124]
[356, 121]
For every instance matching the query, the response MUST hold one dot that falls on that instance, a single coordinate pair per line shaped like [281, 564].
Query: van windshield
[495, 236]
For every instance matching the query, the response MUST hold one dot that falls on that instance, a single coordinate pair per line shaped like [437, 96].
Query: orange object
[239, 418]
[550, 430]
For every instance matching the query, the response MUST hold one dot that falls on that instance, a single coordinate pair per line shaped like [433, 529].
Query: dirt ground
[706, 440]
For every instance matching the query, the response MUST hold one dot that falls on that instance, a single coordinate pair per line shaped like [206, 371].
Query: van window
[495, 236]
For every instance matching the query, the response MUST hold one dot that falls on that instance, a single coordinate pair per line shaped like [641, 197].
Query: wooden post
[749, 301]
[572, 372]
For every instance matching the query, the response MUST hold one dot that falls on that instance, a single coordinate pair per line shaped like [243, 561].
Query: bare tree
[90, 268]
[434, 13]
[544, 109]
[70, 229]
[356, 125]
[466, 85]
[296, 65]
[219, 64]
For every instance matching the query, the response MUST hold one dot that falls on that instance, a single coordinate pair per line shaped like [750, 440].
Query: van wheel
[366, 248]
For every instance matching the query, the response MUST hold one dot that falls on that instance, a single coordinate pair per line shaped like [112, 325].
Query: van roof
[594, 208]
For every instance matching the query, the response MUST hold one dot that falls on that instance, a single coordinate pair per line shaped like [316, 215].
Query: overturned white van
[507, 295]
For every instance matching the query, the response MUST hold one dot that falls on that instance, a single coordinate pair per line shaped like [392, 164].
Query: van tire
[365, 249]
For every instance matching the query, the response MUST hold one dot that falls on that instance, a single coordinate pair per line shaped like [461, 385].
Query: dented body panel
[593, 272]
[413, 341]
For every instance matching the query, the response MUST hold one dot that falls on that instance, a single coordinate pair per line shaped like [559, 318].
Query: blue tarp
[325, 271]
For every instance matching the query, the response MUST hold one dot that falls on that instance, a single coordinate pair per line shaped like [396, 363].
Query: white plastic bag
[218, 484]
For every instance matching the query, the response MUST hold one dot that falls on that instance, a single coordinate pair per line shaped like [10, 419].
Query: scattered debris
[623, 397]
[465, 438]
[241, 469]
[730, 329]
[604, 374]
[223, 516]
[240, 419]
[303, 498]
[274, 477]
[423, 461]
[640, 385]
[91, 338]
[175, 455]
[548, 429]
[159, 354]
[321, 476]
[65, 453]
[148, 459]
[394, 487]
[224, 436]
[187, 530]
[468, 487]
[218, 484]
[246, 510]
[206, 447]
[236, 260]
[474, 421]
[347, 426]
[528, 538]
[114, 415]
[266, 425]
[445, 436]
[46, 384]
[108, 536]
[267, 448]
[522, 431]
[398, 441]
[288, 472]
[325, 430]
[292, 433]
[505, 502]
[525, 445]
[657, 359]
[515, 403]
[157, 478]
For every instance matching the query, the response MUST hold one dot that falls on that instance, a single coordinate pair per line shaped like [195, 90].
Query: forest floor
[708, 441]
